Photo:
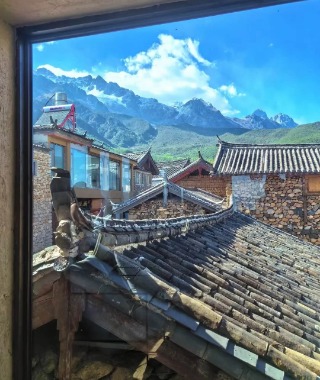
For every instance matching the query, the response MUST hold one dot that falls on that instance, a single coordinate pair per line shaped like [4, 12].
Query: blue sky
[266, 58]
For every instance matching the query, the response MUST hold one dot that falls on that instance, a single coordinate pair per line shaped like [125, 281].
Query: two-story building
[99, 177]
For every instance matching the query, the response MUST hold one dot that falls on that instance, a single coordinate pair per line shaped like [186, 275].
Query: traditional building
[277, 184]
[97, 174]
[143, 171]
[167, 200]
[192, 175]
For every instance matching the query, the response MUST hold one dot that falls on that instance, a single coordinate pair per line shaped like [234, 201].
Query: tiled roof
[172, 167]
[119, 232]
[136, 156]
[254, 159]
[78, 132]
[199, 163]
[58, 118]
[212, 204]
[239, 285]
[142, 158]
[234, 288]
[205, 195]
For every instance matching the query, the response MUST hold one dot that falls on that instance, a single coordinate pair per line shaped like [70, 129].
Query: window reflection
[78, 168]
[57, 156]
[114, 175]
[93, 172]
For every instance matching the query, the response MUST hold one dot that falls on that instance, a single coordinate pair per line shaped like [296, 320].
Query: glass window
[114, 175]
[57, 156]
[93, 172]
[138, 178]
[78, 168]
[126, 177]
[104, 171]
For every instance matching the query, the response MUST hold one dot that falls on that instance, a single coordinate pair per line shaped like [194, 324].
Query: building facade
[277, 184]
[99, 177]
[144, 170]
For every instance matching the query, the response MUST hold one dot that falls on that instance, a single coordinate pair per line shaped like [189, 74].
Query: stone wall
[153, 209]
[42, 208]
[281, 201]
[214, 184]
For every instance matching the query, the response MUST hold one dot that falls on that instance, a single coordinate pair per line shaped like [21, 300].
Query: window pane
[93, 172]
[57, 156]
[78, 167]
[114, 175]
[104, 171]
[126, 177]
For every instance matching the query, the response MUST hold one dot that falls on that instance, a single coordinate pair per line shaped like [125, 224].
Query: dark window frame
[77, 27]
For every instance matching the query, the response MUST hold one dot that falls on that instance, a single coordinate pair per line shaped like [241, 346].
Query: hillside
[306, 133]
[174, 143]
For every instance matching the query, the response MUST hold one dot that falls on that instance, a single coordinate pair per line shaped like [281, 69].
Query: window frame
[310, 178]
[23, 202]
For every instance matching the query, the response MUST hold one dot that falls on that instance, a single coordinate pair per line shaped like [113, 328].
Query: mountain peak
[45, 72]
[284, 120]
[199, 103]
[260, 113]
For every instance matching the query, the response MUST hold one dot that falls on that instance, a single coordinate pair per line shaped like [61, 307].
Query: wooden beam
[68, 308]
[112, 345]
[42, 310]
[153, 343]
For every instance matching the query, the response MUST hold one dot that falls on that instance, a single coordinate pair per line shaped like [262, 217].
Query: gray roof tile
[242, 159]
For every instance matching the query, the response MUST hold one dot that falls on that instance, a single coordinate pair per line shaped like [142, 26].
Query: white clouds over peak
[231, 90]
[172, 70]
[74, 73]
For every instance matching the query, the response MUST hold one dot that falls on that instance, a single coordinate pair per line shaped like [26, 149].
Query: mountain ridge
[125, 120]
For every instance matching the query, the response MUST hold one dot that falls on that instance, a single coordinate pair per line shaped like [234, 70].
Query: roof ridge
[231, 144]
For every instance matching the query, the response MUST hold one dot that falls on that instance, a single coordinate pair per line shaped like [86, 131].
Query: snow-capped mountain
[113, 113]
[284, 120]
[260, 120]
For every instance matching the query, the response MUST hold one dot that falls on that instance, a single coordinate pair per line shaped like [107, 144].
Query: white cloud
[74, 73]
[40, 47]
[171, 71]
[231, 90]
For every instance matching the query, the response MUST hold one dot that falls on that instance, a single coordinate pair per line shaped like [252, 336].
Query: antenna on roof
[219, 138]
[49, 99]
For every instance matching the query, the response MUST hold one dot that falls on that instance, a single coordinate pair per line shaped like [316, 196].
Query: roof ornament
[54, 122]
[200, 155]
